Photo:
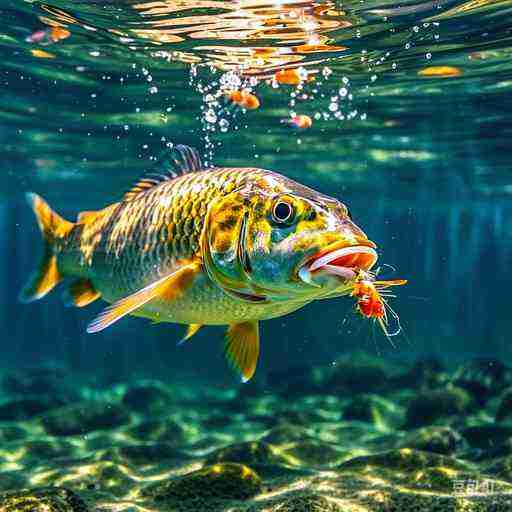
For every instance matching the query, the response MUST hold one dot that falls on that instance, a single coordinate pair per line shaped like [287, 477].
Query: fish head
[277, 240]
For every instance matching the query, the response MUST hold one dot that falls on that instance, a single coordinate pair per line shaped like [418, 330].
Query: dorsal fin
[85, 216]
[175, 162]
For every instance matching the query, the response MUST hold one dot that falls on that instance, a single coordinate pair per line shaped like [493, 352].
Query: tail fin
[53, 227]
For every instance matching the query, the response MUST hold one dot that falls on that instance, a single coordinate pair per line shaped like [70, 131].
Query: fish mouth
[344, 262]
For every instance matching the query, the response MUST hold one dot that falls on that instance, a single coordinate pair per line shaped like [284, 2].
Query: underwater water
[409, 107]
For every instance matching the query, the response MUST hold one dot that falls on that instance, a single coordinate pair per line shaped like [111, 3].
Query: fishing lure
[371, 301]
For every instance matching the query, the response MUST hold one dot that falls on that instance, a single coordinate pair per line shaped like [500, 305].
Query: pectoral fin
[167, 288]
[80, 293]
[191, 330]
[242, 348]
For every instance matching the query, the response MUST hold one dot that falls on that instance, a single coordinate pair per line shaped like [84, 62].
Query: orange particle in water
[302, 122]
[244, 99]
[249, 101]
[59, 33]
[41, 54]
[440, 71]
[288, 77]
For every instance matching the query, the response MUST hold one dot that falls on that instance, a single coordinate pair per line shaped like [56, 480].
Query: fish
[202, 246]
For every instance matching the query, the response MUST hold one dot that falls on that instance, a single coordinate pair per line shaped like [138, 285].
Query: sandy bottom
[358, 436]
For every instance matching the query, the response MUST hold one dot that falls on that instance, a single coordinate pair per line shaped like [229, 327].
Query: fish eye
[282, 212]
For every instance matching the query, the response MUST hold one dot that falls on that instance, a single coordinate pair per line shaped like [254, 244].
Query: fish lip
[361, 256]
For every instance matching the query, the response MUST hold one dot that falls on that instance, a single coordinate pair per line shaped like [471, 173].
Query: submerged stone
[147, 398]
[225, 481]
[488, 436]
[504, 410]
[403, 459]
[162, 430]
[308, 503]
[48, 499]
[425, 373]
[83, 418]
[26, 408]
[358, 373]
[375, 410]
[483, 378]
[251, 453]
[443, 440]
[429, 406]
[35, 381]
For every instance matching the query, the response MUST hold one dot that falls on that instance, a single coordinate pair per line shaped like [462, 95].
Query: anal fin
[167, 288]
[242, 348]
[80, 293]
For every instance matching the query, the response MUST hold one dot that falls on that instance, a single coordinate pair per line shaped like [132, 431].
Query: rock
[165, 430]
[487, 437]
[152, 453]
[402, 459]
[373, 409]
[442, 440]
[308, 503]
[429, 406]
[504, 410]
[358, 373]
[10, 433]
[26, 408]
[483, 378]
[147, 398]
[200, 489]
[286, 433]
[311, 453]
[425, 373]
[252, 453]
[50, 499]
[103, 476]
[83, 418]
[35, 381]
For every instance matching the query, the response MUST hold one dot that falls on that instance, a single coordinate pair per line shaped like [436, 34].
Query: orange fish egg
[244, 99]
[301, 122]
[290, 76]
[59, 33]
[440, 71]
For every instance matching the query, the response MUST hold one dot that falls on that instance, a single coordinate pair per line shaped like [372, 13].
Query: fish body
[204, 247]
[131, 244]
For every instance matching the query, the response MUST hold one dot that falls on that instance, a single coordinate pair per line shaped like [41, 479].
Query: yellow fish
[196, 246]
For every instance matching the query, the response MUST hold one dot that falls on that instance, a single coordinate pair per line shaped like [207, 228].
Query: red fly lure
[371, 298]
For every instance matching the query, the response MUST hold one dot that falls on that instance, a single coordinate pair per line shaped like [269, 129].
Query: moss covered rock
[26, 408]
[403, 459]
[145, 398]
[251, 453]
[373, 409]
[430, 406]
[225, 481]
[308, 503]
[443, 440]
[83, 418]
[49, 499]
[483, 378]
[358, 373]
